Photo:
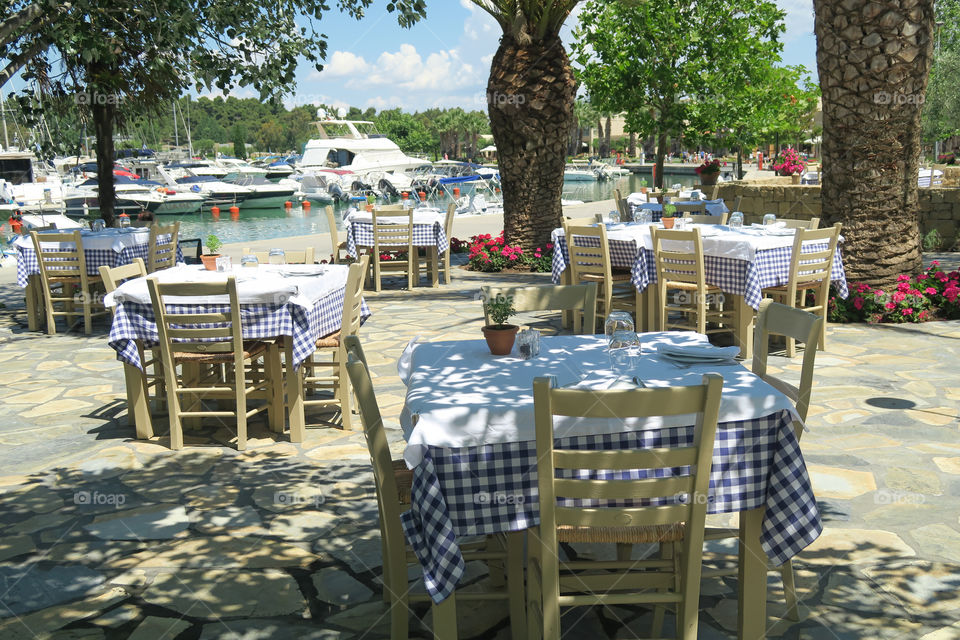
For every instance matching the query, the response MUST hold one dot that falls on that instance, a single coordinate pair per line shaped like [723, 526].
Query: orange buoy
[215, 211]
[234, 210]
[423, 195]
[287, 205]
[456, 192]
[306, 205]
[405, 194]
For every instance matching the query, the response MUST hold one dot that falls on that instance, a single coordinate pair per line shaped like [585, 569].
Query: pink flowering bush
[542, 259]
[490, 254]
[913, 299]
[459, 246]
[788, 163]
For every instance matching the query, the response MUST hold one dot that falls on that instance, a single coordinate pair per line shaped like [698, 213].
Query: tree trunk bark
[104, 114]
[661, 154]
[874, 59]
[530, 133]
[607, 137]
[632, 151]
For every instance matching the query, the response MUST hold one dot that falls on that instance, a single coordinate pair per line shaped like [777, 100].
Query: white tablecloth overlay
[462, 396]
[419, 217]
[116, 239]
[692, 194]
[265, 284]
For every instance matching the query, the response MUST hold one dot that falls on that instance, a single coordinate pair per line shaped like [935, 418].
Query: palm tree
[530, 96]
[584, 113]
[873, 60]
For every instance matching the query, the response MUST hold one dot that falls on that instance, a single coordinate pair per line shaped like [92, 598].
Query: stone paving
[104, 536]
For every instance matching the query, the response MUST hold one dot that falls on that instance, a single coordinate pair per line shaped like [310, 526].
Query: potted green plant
[643, 185]
[500, 336]
[209, 258]
[709, 172]
[667, 218]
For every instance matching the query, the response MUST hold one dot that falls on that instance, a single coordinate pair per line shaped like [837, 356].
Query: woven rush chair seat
[330, 341]
[251, 349]
[621, 535]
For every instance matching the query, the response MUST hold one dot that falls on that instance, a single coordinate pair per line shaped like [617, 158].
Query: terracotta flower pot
[795, 178]
[210, 261]
[709, 178]
[668, 222]
[500, 338]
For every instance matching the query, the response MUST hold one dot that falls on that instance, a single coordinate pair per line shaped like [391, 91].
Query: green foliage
[213, 244]
[500, 308]
[669, 210]
[239, 135]
[932, 241]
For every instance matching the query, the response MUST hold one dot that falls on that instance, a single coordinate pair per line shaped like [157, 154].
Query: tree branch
[23, 58]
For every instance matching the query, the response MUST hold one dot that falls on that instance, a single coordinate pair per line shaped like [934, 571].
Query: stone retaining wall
[939, 206]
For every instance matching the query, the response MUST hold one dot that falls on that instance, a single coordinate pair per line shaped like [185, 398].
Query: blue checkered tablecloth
[360, 233]
[27, 264]
[135, 321]
[770, 268]
[469, 491]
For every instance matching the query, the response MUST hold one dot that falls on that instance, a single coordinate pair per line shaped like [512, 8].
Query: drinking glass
[277, 256]
[249, 260]
[124, 221]
[97, 225]
[624, 353]
[736, 220]
[613, 217]
[769, 218]
[617, 321]
[645, 216]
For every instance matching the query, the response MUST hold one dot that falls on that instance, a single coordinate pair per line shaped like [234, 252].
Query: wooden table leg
[743, 331]
[298, 421]
[434, 266]
[752, 579]
[138, 404]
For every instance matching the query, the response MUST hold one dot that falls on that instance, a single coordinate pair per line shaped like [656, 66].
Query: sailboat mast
[3, 115]
[176, 134]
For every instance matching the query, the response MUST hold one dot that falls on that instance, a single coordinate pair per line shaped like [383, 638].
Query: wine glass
[249, 260]
[277, 256]
[97, 225]
[617, 321]
[769, 219]
[736, 221]
[613, 217]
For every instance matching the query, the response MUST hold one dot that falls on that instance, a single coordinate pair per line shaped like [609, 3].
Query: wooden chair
[690, 207]
[393, 236]
[736, 203]
[623, 207]
[709, 219]
[680, 270]
[777, 319]
[589, 253]
[64, 279]
[392, 499]
[163, 253]
[672, 579]
[113, 278]
[809, 273]
[294, 256]
[597, 218]
[443, 259]
[791, 223]
[547, 297]
[335, 381]
[185, 344]
[336, 245]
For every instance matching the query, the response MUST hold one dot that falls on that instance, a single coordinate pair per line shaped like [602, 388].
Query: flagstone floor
[104, 536]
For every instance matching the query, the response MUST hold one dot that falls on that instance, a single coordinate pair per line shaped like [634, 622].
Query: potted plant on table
[667, 218]
[500, 336]
[789, 163]
[209, 259]
[643, 185]
[709, 172]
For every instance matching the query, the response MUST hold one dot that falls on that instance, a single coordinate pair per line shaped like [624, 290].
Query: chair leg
[666, 553]
[624, 551]
[173, 409]
[343, 390]
[274, 376]
[240, 380]
[518, 615]
[445, 618]
[446, 266]
[790, 590]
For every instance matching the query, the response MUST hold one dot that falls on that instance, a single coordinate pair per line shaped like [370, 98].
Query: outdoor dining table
[109, 247]
[468, 421]
[428, 232]
[296, 303]
[713, 207]
[740, 262]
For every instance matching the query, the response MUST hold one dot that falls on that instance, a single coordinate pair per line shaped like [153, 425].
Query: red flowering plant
[788, 163]
[913, 299]
[459, 246]
[708, 167]
[487, 253]
[542, 259]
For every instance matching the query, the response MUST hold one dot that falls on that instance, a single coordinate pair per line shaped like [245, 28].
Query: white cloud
[479, 25]
[799, 18]
[345, 63]
[407, 69]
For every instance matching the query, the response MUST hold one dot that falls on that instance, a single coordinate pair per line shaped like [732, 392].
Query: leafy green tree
[656, 59]
[270, 136]
[122, 59]
[204, 146]
[239, 135]
[405, 129]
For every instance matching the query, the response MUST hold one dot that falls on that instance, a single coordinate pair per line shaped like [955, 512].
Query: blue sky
[444, 60]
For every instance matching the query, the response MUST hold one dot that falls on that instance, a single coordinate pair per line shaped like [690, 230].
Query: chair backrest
[50, 227]
[736, 203]
[691, 207]
[194, 327]
[793, 223]
[448, 221]
[679, 257]
[163, 246]
[667, 509]
[589, 252]
[779, 319]
[596, 218]
[709, 219]
[290, 256]
[392, 230]
[113, 277]
[715, 192]
[389, 208]
[378, 447]
[812, 265]
[332, 225]
[353, 296]
[60, 255]
[547, 297]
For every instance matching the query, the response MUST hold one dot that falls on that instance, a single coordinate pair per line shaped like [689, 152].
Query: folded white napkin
[775, 225]
[698, 352]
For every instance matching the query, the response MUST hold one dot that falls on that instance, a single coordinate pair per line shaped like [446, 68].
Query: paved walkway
[103, 536]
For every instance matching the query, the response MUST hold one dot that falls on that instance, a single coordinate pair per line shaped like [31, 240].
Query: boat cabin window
[16, 170]
[339, 157]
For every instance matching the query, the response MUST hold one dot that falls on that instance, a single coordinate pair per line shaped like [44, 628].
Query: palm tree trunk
[607, 136]
[632, 151]
[530, 133]
[104, 112]
[873, 59]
